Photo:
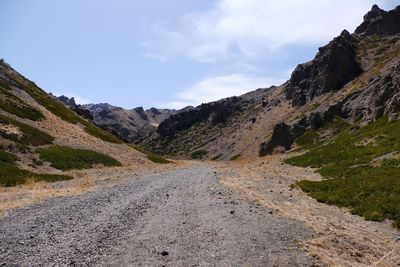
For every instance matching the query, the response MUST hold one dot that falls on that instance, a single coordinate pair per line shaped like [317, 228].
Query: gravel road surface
[182, 217]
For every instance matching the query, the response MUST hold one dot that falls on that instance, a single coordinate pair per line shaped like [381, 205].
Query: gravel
[178, 218]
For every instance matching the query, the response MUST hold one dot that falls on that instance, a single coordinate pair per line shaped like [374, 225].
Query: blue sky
[167, 53]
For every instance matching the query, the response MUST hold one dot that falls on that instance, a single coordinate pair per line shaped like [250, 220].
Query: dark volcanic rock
[130, 125]
[70, 102]
[334, 66]
[380, 22]
[140, 111]
[381, 97]
[216, 112]
[283, 136]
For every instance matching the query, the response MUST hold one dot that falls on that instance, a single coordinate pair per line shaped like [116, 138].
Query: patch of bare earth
[342, 239]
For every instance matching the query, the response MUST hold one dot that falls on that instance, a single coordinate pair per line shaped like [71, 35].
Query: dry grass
[342, 239]
[10, 129]
[87, 181]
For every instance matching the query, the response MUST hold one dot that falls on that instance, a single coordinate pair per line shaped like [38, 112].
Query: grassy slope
[67, 114]
[30, 135]
[11, 175]
[357, 179]
[13, 105]
[66, 158]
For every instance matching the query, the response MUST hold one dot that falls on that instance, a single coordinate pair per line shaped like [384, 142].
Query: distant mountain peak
[380, 22]
[375, 8]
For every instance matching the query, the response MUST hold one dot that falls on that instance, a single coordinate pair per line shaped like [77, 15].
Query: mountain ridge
[131, 125]
[348, 77]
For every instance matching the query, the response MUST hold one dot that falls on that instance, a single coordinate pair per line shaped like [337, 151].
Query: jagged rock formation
[380, 22]
[376, 93]
[333, 67]
[130, 125]
[215, 112]
[354, 77]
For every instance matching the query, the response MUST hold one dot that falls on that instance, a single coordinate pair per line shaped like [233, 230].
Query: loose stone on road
[182, 217]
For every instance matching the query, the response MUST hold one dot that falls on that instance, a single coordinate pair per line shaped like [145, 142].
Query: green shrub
[345, 159]
[6, 157]
[30, 135]
[235, 157]
[103, 135]
[158, 159]
[216, 157]
[11, 175]
[66, 158]
[12, 104]
[199, 154]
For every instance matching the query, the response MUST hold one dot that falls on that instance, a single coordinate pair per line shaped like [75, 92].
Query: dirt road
[182, 217]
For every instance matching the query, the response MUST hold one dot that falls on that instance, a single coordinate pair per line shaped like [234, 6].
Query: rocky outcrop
[380, 22]
[333, 67]
[215, 112]
[70, 102]
[282, 136]
[130, 125]
[381, 97]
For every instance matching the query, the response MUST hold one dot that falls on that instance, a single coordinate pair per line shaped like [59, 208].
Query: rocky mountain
[131, 125]
[355, 77]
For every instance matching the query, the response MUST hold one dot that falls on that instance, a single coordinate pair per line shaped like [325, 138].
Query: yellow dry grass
[342, 239]
[10, 129]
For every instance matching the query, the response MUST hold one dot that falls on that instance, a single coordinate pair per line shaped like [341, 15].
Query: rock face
[333, 67]
[130, 125]
[283, 136]
[380, 22]
[215, 112]
[381, 97]
[70, 102]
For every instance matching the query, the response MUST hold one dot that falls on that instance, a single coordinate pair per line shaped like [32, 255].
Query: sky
[168, 54]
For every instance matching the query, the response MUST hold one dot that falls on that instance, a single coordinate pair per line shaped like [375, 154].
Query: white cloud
[156, 57]
[215, 88]
[250, 28]
[78, 99]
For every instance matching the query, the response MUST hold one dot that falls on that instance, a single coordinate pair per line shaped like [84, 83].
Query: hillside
[354, 77]
[341, 110]
[41, 140]
[131, 125]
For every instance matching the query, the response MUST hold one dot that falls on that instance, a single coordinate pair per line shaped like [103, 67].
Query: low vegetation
[152, 157]
[199, 154]
[216, 157]
[158, 159]
[67, 114]
[362, 167]
[23, 133]
[99, 133]
[11, 175]
[235, 157]
[66, 158]
[12, 104]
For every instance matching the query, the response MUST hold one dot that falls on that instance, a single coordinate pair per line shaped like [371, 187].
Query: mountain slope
[355, 77]
[37, 133]
[131, 125]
